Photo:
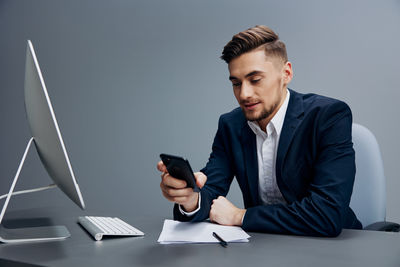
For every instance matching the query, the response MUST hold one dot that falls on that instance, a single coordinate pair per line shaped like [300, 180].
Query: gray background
[132, 79]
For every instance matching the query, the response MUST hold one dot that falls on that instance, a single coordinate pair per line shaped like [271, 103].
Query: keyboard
[107, 226]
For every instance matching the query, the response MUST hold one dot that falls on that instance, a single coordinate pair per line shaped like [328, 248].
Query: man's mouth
[250, 106]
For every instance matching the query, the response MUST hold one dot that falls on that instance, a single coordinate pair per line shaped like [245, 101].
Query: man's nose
[246, 91]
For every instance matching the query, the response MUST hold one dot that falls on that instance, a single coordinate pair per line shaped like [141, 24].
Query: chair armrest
[383, 226]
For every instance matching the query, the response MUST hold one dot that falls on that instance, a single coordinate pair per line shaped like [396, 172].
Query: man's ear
[287, 72]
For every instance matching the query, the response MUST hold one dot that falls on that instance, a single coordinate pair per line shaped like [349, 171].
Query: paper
[201, 232]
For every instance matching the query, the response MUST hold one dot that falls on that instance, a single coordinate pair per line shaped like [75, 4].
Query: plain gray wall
[132, 79]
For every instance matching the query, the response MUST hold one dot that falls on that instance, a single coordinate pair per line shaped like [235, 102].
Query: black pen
[221, 241]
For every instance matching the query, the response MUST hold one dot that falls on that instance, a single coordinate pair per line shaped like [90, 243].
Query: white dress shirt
[267, 147]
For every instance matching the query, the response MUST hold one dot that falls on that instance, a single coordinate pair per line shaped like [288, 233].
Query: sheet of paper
[201, 232]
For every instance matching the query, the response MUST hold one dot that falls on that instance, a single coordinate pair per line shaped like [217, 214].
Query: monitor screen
[45, 130]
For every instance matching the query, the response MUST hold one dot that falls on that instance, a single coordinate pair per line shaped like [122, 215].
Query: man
[291, 153]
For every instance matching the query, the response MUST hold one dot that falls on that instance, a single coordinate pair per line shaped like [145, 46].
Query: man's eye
[255, 80]
[236, 84]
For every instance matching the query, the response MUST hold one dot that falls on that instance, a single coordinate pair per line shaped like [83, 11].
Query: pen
[221, 241]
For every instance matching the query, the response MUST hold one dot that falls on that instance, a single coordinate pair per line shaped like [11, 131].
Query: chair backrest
[369, 193]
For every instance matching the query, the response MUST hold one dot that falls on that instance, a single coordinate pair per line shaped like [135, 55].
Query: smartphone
[179, 168]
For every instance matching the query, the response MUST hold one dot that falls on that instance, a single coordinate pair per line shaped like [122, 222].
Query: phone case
[180, 168]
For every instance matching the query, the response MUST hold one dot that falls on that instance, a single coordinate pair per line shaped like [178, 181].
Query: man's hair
[253, 38]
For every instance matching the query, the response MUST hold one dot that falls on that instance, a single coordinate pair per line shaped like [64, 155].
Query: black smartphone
[179, 168]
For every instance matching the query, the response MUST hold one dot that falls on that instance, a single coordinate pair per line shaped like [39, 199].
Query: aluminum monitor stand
[31, 234]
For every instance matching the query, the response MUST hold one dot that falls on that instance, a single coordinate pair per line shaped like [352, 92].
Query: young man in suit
[291, 153]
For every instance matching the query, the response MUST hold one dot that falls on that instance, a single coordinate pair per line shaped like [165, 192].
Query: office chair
[368, 200]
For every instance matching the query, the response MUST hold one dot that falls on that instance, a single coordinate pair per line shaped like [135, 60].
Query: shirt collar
[276, 122]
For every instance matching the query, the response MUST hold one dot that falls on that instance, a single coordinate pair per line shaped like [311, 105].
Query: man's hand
[175, 189]
[225, 213]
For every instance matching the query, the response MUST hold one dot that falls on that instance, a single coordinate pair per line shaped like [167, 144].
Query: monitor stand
[31, 234]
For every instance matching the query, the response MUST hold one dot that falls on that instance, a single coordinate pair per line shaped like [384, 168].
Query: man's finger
[172, 199]
[172, 192]
[179, 200]
[211, 215]
[170, 181]
[161, 167]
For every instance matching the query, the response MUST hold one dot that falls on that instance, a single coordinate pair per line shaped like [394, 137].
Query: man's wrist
[195, 210]
[239, 217]
[193, 205]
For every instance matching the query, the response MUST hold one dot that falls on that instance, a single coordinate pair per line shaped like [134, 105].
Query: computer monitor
[49, 144]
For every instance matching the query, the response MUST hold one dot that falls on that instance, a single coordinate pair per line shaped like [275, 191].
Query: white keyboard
[107, 226]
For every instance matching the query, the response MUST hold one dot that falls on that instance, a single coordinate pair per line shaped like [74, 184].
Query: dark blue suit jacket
[315, 169]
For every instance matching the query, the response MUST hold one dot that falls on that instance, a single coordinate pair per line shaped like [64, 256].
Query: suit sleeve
[323, 210]
[219, 177]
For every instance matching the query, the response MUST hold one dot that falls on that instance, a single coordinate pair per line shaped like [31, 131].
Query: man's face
[259, 84]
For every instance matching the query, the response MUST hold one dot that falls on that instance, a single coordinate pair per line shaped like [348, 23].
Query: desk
[351, 248]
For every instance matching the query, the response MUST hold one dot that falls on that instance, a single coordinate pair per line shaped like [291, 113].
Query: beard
[265, 113]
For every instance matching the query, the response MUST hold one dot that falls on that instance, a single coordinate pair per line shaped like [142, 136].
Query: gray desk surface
[351, 248]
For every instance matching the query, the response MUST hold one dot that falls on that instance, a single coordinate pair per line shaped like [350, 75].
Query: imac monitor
[45, 130]
[49, 144]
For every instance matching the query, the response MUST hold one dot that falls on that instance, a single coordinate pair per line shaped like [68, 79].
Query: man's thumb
[201, 179]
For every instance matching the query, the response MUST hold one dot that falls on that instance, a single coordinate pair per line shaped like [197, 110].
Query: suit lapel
[249, 147]
[293, 117]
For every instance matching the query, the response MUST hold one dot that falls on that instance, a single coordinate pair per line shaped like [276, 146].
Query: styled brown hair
[253, 38]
